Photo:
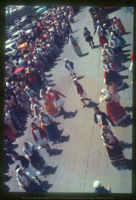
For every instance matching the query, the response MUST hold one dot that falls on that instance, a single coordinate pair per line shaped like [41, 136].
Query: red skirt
[114, 66]
[102, 40]
[10, 134]
[121, 28]
[115, 111]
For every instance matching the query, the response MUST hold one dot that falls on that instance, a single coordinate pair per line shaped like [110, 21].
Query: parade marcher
[107, 31]
[50, 127]
[23, 163]
[27, 182]
[119, 24]
[113, 148]
[101, 118]
[73, 41]
[55, 95]
[117, 34]
[114, 43]
[37, 161]
[113, 57]
[40, 137]
[100, 32]
[70, 66]
[47, 104]
[82, 94]
[88, 37]
[113, 90]
[101, 189]
[115, 111]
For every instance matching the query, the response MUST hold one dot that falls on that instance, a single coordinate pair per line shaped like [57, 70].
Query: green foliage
[17, 15]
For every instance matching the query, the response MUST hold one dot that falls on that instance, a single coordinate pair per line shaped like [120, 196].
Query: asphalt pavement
[81, 158]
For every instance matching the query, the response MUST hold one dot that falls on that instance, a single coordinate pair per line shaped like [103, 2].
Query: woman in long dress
[111, 75]
[113, 148]
[113, 57]
[73, 41]
[8, 122]
[32, 153]
[47, 104]
[113, 90]
[117, 33]
[119, 24]
[115, 111]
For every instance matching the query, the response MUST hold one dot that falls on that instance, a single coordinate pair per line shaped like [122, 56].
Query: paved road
[82, 158]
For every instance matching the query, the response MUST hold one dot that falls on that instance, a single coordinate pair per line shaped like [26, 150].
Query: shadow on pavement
[53, 84]
[127, 33]
[126, 122]
[59, 59]
[129, 109]
[71, 114]
[96, 46]
[50, 170]
[80, 77]
[20, 134]
[125, 51]
[124, 68]
[129, 164]
[125, 87]
[125, 145]
[56, 152]
[85, 54]
[13, 146]
[50, 75]
[64, 138]
[112, 10]
[75, 31]
[7, 178]
[124, 77]
[92, 104]
[76, 20]
[126, 45]
[45, 184]
[6, 188]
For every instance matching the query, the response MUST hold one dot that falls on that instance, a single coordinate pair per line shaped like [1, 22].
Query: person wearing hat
[82, 94]
[119, 24]
[101, 189]
[73, 41]
[107, 31]
[70, 66]
[27, 182]
[55, 96]
[101, 33]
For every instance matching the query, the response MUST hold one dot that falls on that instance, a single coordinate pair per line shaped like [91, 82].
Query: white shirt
[37, 133]
[99, 118]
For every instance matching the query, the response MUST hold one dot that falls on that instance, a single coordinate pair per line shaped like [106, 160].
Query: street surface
[81, 158]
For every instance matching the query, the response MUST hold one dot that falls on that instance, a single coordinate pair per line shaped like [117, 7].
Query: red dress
[10, 134]
[119, 24]
[115, 111]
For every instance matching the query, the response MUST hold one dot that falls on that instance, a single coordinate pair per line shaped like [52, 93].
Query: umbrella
[19, 69]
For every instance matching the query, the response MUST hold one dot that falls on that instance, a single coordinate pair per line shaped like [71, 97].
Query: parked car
[11, 50]
[14, 37]
[41, 10]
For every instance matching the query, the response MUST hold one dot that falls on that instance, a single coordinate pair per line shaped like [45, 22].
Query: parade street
[81, 158]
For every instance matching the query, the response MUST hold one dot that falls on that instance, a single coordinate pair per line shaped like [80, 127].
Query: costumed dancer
[119, 24]
[88, 37]
[100, 32]
[73, 41]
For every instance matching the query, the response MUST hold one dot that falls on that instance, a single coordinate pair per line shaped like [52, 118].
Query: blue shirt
[102, 190]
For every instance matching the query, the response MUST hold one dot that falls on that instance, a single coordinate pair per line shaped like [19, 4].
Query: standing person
[119, 24]
[8, 122]
[23, 101]
[88, 37]
[47, 104]
[100, 189]
[100, 32]
[40, 137]
[101, 118]
[131, 66]
[51, 129]
[37, 161]
[55, 95]
[82, 94]
[114, 43]
[23, 163]
[70, 66]
[26, 181]
[113, 90]
[113, 148]
[107, 31]
[115, 111]
[33, 81]
[117, 33]
[73, 41]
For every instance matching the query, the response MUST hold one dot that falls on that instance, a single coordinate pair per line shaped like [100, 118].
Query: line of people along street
[30, 92]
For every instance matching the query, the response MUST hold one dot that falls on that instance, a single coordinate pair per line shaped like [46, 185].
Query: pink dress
[119, 24]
